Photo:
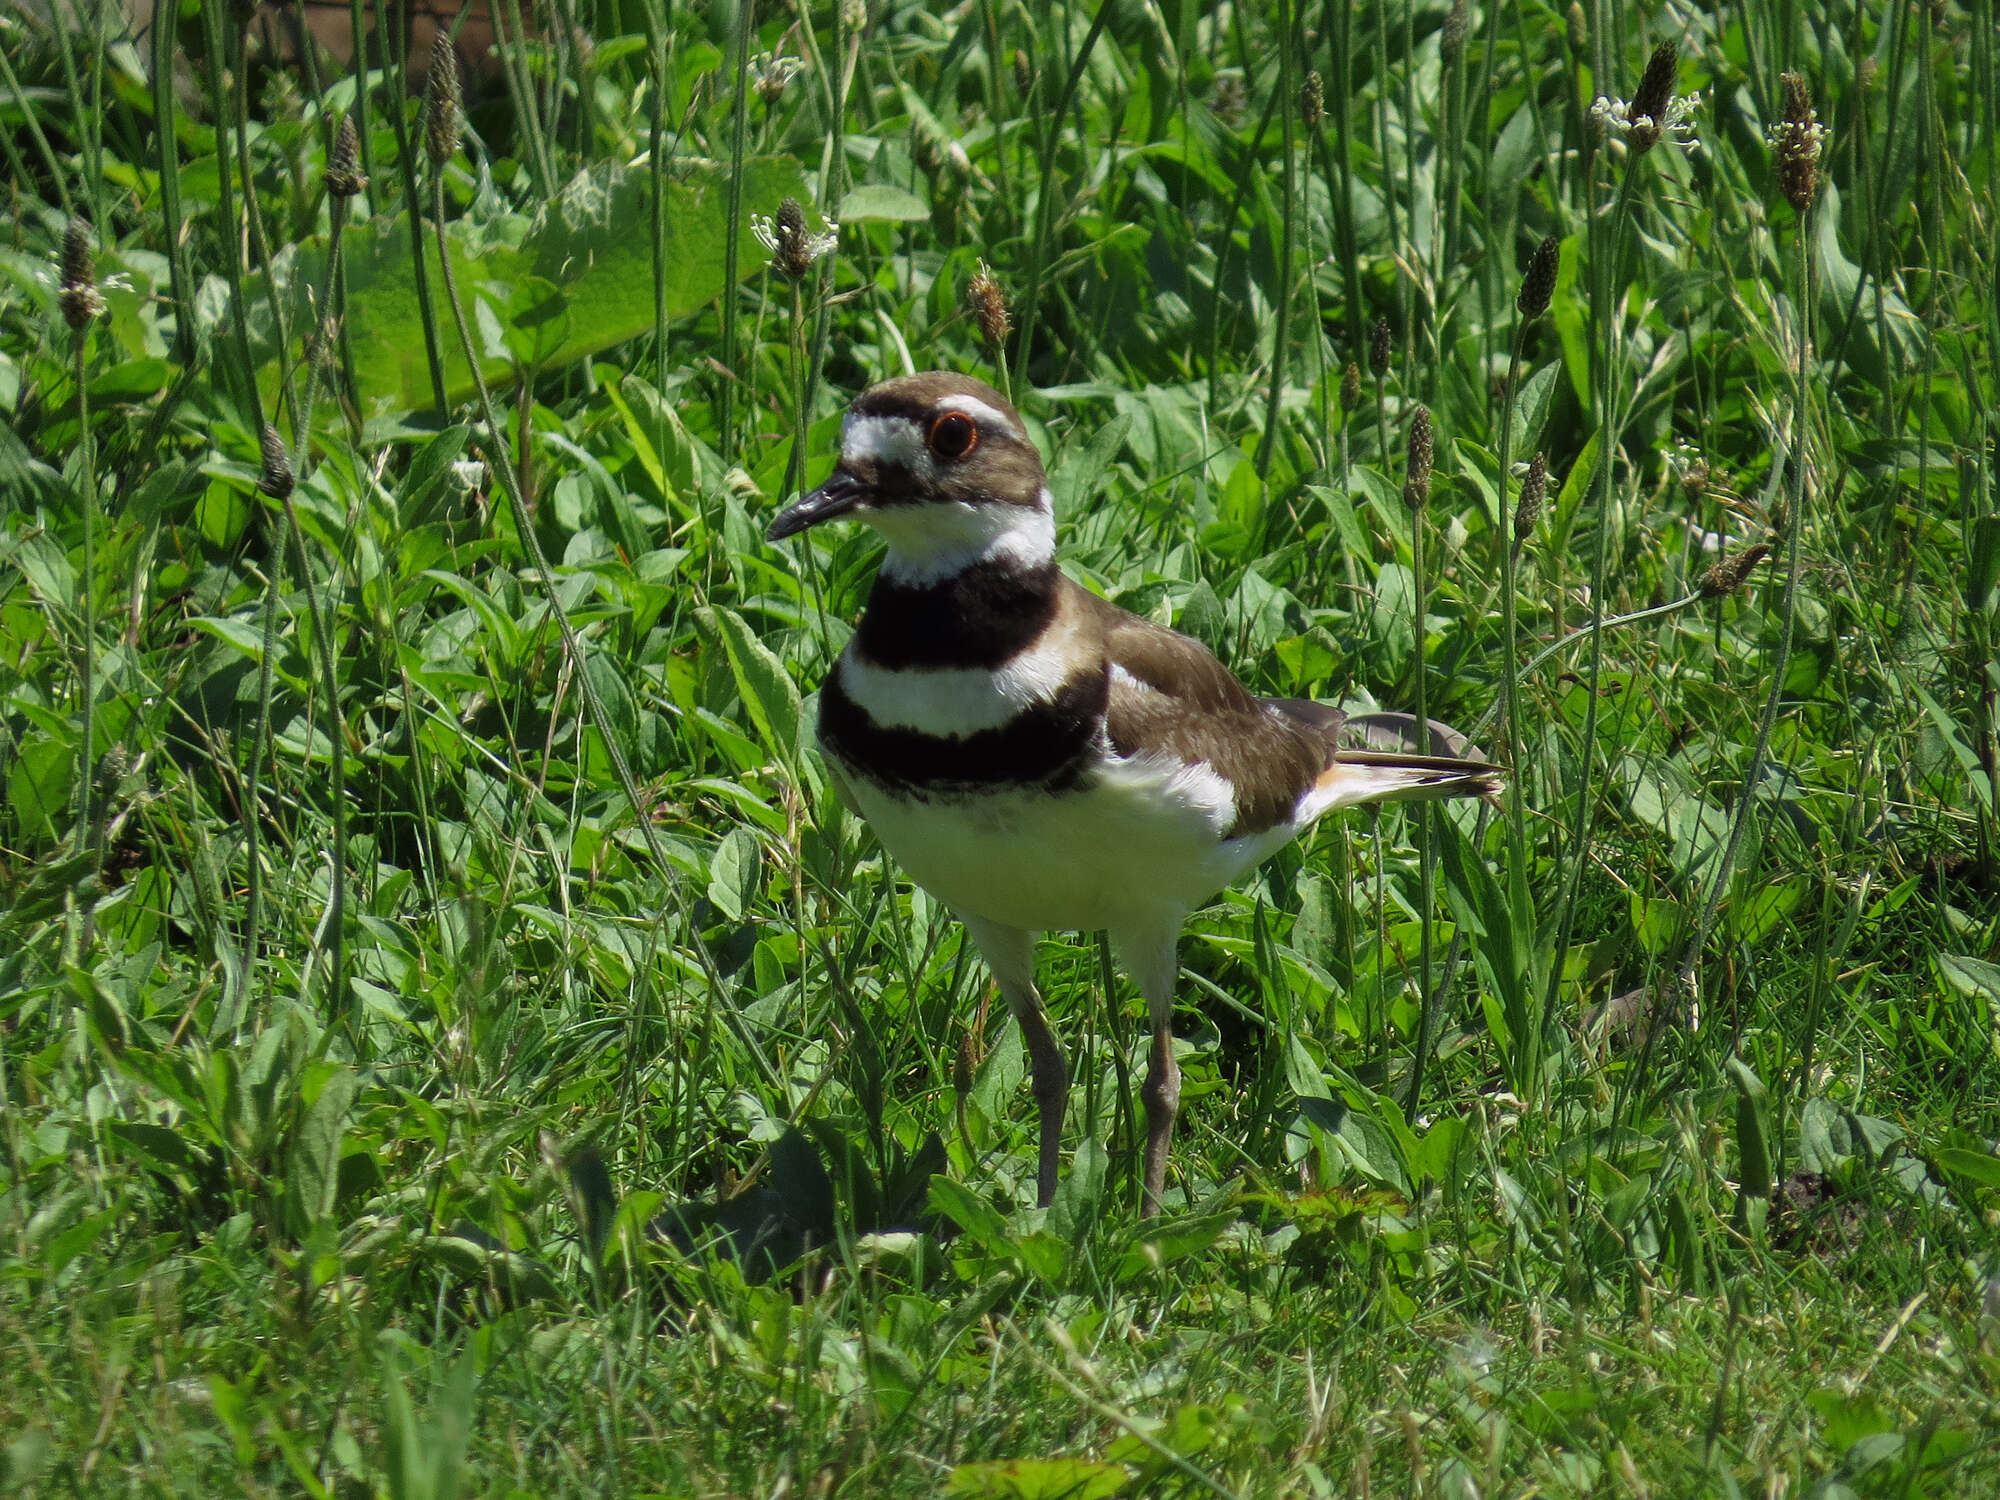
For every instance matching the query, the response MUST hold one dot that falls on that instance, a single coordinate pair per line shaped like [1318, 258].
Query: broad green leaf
[536, 314]
[312, 1160]
[1982, 565]
[484, 1262]
[1982, 1167]
[575, 280]
[1307, 659]
[1976, 979]
[621, 709]
[1440, 1156]
[1393, 619]
[1576, 488]
[1076, 479]
[878, 201]
[106, 1007]
[232, 1408]
[1656, 921]
[45, 565]
[1035, 1479]
[732, 878]
[1201, 615]
[1753, 1130]
[1884, 318]
[770, 697]
[134, 380]
[67, 1245]
[1046, 1257]
[981, 1222]
[163, 1149]
[1850, 1418]
[428, 466]
[1954, 736]
[1348, 530]
[1362, 1140]
[595, 243]
[1531, 408]
[40, 786]
[1500, 922]
[1001, 1072]
[1753, 916]
[503, 636]
[246, 636]
[1080, 1193]
[641, 440]
[1661, 796]
[1174, 1240]
[1303, 1074]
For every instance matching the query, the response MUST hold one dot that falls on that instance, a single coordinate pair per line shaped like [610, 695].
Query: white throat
[935, 540]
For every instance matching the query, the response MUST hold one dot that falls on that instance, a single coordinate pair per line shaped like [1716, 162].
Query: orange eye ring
[953, 436]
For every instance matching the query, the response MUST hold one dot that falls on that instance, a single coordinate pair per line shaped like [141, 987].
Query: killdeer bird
[1037, 758]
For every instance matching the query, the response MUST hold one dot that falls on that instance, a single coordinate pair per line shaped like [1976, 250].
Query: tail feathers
[1382, 729]
[1389, 757]
[1399, 732]
[1358, 776]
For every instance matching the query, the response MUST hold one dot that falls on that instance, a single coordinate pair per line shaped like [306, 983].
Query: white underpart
[1135, 850]
[954, 701]
[937, 539]
[983, 413]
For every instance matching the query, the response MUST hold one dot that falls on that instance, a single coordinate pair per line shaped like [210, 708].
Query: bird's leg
[1010, 954]
[1151, 958]
[1051, 1075]
[1162, 1093]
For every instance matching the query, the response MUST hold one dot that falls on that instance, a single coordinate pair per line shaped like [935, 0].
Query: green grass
[454, 1041]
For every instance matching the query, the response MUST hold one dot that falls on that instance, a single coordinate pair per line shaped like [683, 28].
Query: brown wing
[1172, 697]
[1175, 698]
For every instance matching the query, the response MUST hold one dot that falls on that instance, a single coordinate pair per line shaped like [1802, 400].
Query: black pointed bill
[839, 496]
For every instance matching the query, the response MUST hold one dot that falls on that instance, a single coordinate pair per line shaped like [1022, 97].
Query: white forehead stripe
[980, 412]
[890, 440]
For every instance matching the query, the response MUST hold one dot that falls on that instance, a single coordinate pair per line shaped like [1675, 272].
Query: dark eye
[954, 435]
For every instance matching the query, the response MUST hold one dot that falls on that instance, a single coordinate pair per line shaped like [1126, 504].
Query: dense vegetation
[454, 1041]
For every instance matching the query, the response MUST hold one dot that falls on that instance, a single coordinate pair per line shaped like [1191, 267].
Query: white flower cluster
[1797, 141]
[771, 76]
[795, 254]
[816, 245]
[1613, 118]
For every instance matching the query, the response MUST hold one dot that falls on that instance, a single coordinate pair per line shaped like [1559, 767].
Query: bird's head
[940, 464]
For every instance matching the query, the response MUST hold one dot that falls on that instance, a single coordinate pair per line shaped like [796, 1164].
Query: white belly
[1141, 845]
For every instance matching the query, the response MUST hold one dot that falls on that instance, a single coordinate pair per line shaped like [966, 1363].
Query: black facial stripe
[982, 617]
[891, 484]
[1045, 745]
